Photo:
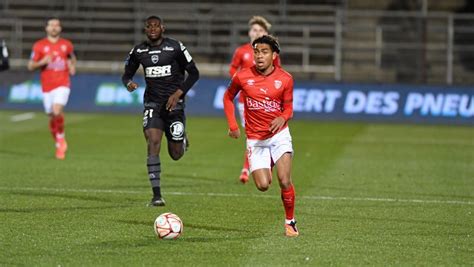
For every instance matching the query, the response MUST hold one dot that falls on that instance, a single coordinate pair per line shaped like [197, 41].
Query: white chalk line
[22, 117]
[210, 194]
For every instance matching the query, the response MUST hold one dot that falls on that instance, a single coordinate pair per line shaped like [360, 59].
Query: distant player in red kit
[268, 105]
[54, 56]
[243, 58]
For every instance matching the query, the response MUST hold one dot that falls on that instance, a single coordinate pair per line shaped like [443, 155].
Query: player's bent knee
[285, 183]
[154, 147]
[263, 187]
[175, 155]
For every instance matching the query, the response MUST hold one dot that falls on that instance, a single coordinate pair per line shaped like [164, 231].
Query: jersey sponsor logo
[57, 64]
[278, 84]
[267, 105]
[168, 48]
[155, 52]
[142, 50]
[158, 71]
[155, 59]
[250, 82]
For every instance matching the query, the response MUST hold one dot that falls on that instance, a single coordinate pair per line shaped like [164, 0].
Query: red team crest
[278, 84]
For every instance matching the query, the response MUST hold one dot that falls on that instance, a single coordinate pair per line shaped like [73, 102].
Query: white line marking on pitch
[22, 117]
[420, 201]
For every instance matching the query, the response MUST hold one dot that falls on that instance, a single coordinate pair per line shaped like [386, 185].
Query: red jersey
[266, 98]
[56, 73]
[243, 58]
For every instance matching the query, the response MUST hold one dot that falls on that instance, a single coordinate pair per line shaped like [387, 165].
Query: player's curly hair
[154, 17]
[261, 21]
[271, 40]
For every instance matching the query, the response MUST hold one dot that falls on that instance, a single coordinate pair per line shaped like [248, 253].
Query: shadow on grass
[23, 153]
[54, 209]
[224, 233]
[65, 195]
[390, 221]
[196, 177]
[396, 194]
[189, 225]
[152, 241]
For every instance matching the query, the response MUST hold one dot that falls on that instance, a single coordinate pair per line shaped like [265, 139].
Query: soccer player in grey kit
[164, 62]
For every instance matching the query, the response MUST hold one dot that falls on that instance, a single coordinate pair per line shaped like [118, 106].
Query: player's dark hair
[154, 17]
[269, 40]
[52, 18]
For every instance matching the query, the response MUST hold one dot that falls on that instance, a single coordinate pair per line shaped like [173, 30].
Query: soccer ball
[168, 226]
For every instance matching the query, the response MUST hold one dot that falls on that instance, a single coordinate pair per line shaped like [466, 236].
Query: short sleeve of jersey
[70, 48]
[36, 52]
[184, 57]
[235, 85]
[288, 93]
[237, 58]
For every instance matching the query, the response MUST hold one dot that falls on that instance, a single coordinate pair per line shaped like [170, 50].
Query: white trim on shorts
[262, 153]
[59, 95]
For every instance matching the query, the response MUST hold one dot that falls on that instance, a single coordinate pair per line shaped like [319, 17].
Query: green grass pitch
[367, 194]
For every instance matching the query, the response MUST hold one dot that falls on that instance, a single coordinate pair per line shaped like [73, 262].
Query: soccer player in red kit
[243, 58]
[54, 56]
[268, 104]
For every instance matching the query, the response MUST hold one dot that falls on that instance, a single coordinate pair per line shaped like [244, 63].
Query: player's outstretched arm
[192, 78]
[229, 107]
[71, 64]
[131, 66]
[186, 62]
[235, 63]
[287, 113]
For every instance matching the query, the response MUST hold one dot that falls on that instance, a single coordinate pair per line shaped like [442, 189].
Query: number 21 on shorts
[147, 114]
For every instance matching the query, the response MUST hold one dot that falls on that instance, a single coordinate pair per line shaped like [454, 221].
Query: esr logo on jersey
[158, 71]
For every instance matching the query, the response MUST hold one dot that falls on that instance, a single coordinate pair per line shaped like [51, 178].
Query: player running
[164, 62]
[268, 105]
[54, 56]
[243, 58]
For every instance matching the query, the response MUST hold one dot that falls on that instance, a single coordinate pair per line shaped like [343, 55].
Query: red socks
[52, 127]
[59, 126]
[56, 126]
[246, 160]
[288, 198]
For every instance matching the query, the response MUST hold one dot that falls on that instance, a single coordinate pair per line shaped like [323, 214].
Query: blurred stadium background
[406, 41]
